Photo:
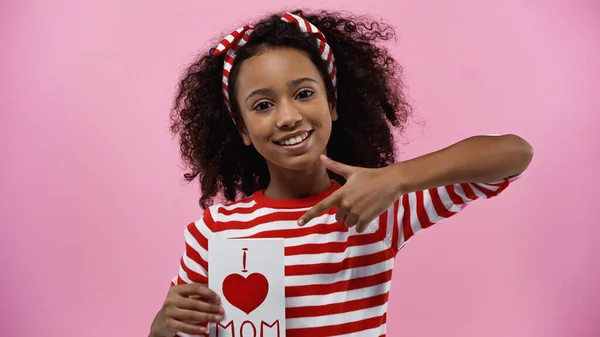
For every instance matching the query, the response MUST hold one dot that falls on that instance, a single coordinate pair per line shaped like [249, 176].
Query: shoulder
[217, 217]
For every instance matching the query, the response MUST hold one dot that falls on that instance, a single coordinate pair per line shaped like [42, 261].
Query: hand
[366, 194]
[186, 304]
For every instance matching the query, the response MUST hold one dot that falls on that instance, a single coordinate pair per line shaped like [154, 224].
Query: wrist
[154, 329]
[401, 178]
[153, 332]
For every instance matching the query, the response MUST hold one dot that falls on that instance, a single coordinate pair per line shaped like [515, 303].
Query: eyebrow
[300, 80]
[291, 84]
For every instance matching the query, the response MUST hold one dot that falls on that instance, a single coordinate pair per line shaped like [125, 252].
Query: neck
[288, 184]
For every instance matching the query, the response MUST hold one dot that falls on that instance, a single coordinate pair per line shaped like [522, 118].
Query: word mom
[248, 329]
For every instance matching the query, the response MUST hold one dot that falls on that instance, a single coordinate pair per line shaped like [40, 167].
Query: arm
[367, 192]
[479, 159]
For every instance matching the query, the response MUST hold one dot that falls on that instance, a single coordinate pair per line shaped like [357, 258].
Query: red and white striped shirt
[337, 281]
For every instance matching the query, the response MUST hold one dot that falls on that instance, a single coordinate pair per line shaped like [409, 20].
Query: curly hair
[371, 104]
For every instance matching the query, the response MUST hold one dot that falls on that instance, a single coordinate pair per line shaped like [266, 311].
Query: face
[283, 102]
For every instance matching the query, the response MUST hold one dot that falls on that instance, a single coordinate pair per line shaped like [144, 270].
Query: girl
[292, 121]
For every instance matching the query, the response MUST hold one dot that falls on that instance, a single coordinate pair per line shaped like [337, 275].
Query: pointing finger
[336, 167]
[325, 204]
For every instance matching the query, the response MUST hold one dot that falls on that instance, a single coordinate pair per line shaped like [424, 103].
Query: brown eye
[262, 106]
[304, 94]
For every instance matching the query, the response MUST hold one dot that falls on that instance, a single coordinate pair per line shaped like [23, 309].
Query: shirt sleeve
[421, 209]
[193, 266]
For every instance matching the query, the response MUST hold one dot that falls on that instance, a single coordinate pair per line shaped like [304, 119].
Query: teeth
[295, 140]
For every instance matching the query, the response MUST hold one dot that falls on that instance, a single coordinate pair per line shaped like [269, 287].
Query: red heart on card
[246, 293]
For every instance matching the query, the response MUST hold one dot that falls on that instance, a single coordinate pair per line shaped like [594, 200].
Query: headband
[240, 36]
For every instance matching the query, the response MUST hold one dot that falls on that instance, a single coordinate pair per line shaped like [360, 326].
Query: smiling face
[283, 102]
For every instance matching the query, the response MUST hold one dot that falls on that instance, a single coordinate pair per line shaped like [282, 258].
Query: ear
[333, 112]
[241, 127]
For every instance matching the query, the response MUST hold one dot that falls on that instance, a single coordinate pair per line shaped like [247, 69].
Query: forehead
[275, 67]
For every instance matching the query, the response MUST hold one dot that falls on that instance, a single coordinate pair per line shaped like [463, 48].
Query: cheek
[257, 129]
[326, 134]
[325, 119]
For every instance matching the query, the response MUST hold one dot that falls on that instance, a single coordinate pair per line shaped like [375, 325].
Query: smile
[294, 139]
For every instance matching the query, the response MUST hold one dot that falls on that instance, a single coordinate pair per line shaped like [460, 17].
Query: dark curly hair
[371, 104]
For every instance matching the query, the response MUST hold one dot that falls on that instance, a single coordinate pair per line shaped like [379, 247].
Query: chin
[302, 162]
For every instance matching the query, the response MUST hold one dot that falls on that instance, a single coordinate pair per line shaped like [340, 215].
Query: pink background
[93, 208]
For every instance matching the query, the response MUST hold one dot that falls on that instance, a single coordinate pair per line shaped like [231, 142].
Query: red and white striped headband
[240, 36]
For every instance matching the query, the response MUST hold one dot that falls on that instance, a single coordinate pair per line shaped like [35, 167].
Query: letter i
[244, 260]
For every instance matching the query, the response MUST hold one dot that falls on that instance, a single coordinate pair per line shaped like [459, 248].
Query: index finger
[202, 290]
[319, 208]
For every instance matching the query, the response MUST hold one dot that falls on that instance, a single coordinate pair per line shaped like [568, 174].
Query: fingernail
[301, 222]
[218, 318]
[221, 311]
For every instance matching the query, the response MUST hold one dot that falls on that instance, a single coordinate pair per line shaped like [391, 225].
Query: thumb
[336, 167]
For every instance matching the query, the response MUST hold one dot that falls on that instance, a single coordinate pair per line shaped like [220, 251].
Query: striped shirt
[337, 281]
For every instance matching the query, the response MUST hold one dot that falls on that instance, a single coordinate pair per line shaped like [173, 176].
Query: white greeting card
[248, 276]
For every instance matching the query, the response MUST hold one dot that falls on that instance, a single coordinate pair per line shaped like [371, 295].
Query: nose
[288, 115]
